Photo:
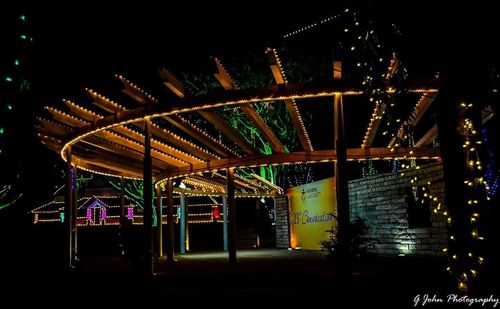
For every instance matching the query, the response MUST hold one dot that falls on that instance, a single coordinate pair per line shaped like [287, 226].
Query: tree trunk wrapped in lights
[459, 125]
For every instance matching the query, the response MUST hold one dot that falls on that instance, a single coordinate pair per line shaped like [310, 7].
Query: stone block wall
[381, 202]
[282, 233]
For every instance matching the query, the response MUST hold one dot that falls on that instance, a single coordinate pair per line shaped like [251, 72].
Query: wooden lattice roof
[111, 141]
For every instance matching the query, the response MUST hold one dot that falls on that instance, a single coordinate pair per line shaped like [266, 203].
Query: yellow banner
[311, 208]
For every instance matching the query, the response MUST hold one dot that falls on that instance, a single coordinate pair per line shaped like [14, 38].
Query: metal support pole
[224, 225]
[170, 220]
[159, 228]
[74, 205]
[232, 215]
[186, 229]
[122, 201]
[68, 211]
[148, 199]
[183, 223]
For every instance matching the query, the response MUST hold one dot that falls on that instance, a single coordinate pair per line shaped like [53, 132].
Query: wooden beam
[246, 185]
[432, 134]
[157, 131]
[126, 152]
[195, 132]
[179, 157]
[175, 86]
[316, 156]
[245, 96]
[291, 106]
[107, 169]
[54, 127]
[227, 83]
[379, 108]
[115, 138]
[227, 130]
[231, 214]
[184, 125]
[237, 194]
[428, 137]
[416, 114]
[172, 83]
[372, 128]
[90, 152]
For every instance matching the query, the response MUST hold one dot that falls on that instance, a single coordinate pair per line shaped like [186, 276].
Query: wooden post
[341, 183]
[68, 211]
[182, 223]
[232, 215]
[170, 219]
[122, 202]
[123, 217]
[224, 224]
[148, 199]
[159, 228]
[186, 229]
[74, 206]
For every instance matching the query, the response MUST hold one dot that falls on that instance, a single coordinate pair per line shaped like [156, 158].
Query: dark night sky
[83, 46]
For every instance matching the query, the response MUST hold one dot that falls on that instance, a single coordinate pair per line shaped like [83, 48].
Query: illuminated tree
[13, 86]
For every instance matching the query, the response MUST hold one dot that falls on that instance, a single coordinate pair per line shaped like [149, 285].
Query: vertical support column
[466, 85]
[74, 206]
[148, 199]
[122, 202]
[224, 224]
[159, 228]
[186, 213]
[341, 183]
[232, 215]
[122, 217]
[68, 211]
[183, 223]
[169, 188]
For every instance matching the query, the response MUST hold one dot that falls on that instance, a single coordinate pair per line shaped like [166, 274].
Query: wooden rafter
[236, 194]
[379, 109]
[416, 114]
[227, 83]
[304, 157]
[131, 134]
[243, 184]
[95, 154]
[176, 87]
[432, 133]
[178, 121]
[291, 106]
[115, 138]
[172, 83]
[157, 131]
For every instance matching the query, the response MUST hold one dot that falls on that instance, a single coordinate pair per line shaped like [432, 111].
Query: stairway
[246, 238]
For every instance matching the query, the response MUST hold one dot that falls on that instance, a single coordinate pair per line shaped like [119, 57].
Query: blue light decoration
[61, 216]
[491, 175]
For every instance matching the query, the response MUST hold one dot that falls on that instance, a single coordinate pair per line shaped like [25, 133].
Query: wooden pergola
[134, 143]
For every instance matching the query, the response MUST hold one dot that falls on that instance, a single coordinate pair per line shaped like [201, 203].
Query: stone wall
[381, 202]
[282, 233]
